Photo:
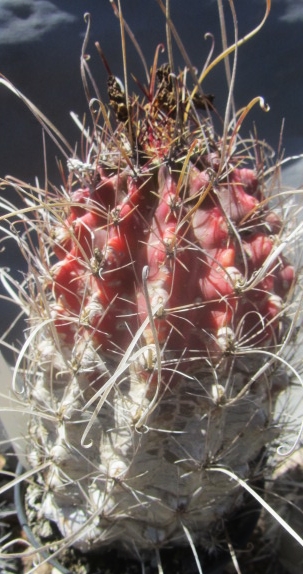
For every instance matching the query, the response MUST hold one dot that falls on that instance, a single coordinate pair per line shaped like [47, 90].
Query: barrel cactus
[161, 301]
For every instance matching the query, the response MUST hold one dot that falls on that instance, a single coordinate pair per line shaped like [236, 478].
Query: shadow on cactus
[162, 308]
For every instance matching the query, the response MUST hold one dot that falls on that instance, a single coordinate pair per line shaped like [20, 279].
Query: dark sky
[40, 46]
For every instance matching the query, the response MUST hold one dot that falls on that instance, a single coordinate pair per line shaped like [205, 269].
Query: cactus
[160, 301]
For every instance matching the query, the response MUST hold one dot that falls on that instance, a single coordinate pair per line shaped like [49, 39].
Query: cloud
[28, 20]
[293, 11]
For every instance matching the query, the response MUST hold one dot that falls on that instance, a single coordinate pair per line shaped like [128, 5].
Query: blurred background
[40, 46]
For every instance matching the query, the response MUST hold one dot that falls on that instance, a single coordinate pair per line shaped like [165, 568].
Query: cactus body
[150, 364]
[158, 304]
